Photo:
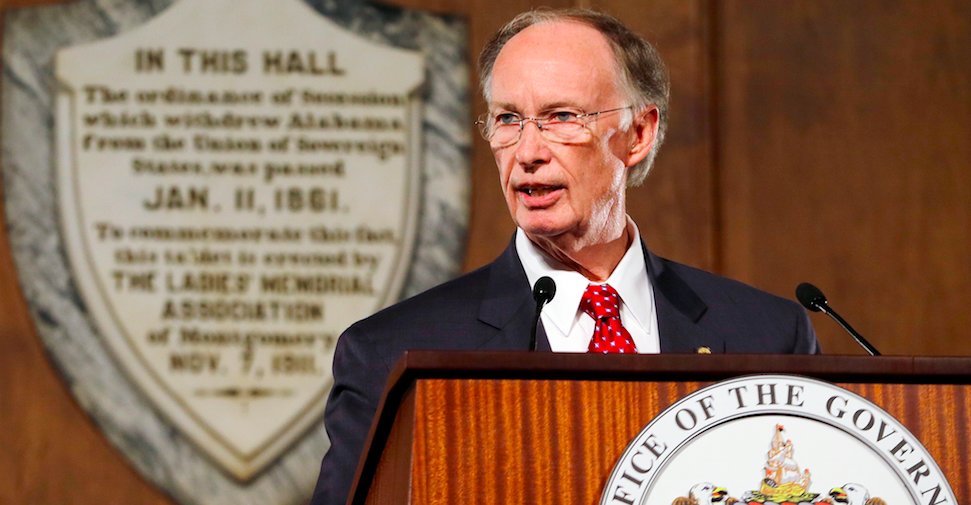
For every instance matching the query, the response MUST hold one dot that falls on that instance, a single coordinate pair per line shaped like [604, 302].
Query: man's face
[558, 192]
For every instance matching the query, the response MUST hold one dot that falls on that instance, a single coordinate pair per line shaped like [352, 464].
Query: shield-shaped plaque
[237, 182]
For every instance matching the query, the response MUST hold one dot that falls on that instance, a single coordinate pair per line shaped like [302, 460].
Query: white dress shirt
[568, 328]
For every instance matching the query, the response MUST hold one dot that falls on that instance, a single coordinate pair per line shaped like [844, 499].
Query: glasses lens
[504, 134]
[566, 132]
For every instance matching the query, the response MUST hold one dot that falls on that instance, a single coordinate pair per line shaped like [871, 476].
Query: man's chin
[545, 224]
[543, 230]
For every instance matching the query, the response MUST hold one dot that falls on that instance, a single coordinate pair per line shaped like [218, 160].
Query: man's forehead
[554, 63]
[556, 40]
[559, 32]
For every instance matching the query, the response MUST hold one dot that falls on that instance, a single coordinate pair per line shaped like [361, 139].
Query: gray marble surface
[32, 36]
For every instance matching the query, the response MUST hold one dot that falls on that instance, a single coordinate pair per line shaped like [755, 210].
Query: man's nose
[532, 149]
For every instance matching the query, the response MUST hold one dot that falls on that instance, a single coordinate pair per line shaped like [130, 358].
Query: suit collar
[507, 305]
[679, 309]
[507, 290]
[673, 288]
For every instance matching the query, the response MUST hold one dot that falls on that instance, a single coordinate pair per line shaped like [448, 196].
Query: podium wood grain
[483, 441]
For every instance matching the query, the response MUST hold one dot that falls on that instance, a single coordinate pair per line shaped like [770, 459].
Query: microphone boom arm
[826, 309]
[813, 299]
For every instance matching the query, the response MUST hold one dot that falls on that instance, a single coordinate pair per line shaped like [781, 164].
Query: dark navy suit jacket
[492, 309]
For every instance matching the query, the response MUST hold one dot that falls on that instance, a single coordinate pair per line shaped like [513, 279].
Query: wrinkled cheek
[508, 194]
[504, 186]
[497, 155]
[503, 167]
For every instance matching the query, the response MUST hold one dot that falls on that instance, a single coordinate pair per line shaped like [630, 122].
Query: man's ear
[643, 132]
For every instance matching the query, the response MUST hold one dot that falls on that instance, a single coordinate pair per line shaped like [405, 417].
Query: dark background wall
[823, 140]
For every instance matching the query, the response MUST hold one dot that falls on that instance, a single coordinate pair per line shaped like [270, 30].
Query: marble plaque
[237, 185]
[229, 184]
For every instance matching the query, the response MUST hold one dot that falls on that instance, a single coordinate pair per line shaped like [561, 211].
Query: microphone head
[810, 297]
[544, 289]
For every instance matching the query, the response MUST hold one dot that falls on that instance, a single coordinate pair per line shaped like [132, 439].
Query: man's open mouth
[539, 190]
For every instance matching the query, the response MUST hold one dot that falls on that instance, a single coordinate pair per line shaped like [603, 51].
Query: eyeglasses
[563, 126]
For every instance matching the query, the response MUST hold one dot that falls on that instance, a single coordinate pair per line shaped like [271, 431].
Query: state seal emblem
[784, 483]
[776, 440]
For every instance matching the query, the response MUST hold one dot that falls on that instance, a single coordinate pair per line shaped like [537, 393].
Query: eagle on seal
[705, 493]
[851, 494]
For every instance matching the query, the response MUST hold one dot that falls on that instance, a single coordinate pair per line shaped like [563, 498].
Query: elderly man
[577, 109]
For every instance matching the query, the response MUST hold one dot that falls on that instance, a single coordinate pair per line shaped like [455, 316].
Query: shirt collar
[629, 278]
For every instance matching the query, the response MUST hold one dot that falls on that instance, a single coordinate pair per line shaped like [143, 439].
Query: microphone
[543, 291]
[813, 299]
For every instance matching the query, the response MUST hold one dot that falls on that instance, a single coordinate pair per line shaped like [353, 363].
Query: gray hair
[643, 77]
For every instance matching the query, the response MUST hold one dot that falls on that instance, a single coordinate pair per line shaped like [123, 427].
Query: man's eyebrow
[503, 106]
[562, 104]
[559, 104]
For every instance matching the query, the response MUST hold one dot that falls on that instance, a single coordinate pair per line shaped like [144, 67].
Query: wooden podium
[543, 428]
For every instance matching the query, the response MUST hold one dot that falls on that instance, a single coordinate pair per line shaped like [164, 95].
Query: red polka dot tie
[602, 303]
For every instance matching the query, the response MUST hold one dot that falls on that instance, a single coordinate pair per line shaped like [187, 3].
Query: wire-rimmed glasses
[564, 126]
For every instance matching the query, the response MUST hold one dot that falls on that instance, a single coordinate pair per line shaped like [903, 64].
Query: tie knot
[600, 301]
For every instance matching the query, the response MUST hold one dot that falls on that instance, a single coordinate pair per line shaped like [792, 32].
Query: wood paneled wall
[819, 140]
[844, 134]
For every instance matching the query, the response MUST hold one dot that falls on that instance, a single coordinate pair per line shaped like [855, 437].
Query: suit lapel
[679, 309]
[507, 306]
